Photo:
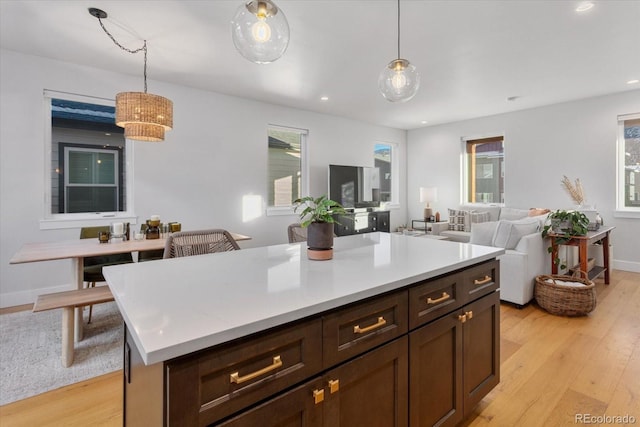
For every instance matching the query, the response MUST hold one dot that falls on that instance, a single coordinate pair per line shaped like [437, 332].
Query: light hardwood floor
[553, 369]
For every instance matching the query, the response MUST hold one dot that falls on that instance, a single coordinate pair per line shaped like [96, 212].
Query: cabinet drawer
[356, 329]
[205, 388]
[434, 298]
[481, 280]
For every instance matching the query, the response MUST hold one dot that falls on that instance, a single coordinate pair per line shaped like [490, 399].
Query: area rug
[31, 345]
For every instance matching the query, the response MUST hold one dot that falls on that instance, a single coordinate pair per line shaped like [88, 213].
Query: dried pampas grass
[575, 190]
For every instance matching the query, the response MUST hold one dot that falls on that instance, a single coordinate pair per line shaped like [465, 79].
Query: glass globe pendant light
[260, 31]
[399, 80]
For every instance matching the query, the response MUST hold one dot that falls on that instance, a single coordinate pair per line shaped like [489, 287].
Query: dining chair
[188, 243]
[297, 233]
[92, 271]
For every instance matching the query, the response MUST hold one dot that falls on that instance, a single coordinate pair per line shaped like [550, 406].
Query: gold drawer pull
[445, 296]
[462, 318]
[358, 330]
[469, 314]
[236, 378]
[318, 396]
[484, 281]
[334, 386]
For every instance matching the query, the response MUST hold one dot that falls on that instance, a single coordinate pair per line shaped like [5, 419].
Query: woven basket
[565, 300]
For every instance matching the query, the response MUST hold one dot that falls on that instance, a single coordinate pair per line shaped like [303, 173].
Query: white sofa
[526, 251]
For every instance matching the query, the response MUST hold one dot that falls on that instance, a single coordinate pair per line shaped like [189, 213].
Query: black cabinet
[361, 222]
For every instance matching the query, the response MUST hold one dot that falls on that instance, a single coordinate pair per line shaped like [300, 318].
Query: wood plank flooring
[553, 369]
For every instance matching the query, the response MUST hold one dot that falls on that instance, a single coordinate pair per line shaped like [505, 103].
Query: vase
[320, 241]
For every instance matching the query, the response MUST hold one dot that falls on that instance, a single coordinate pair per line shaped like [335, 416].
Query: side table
[427, 226]
[582, 242]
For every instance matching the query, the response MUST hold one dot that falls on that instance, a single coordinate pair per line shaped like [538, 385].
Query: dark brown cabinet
[421, 355]
[454, 363]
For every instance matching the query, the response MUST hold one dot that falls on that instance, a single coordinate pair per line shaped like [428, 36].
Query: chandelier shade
[260, 31]
[144, 116]
[399, 80]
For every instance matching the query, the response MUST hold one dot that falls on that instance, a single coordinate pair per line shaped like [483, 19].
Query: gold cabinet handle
[358, 330]
[334, 386]
[236, 378]
[469, 314]
[445, 296]
[318, 396]
[484, 281]
[462, 318]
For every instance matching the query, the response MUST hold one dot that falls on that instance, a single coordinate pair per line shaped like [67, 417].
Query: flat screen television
[354, 186]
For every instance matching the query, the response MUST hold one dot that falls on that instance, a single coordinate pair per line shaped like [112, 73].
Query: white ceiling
[472, 55]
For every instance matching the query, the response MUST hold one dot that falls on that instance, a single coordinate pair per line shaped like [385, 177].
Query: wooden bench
[68, 300]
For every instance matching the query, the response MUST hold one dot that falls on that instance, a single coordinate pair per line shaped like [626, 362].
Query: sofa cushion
[482, 233]
[494, 210]
[459, 220]
[456, 236]
[512, 213]
[508, 233]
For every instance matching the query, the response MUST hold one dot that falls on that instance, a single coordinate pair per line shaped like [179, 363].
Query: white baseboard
[11, 299]
[626, 266]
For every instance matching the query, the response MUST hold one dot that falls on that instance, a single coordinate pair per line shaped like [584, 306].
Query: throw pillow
[538, 211]
[478, 217]
[459, 220]
[509, 233]
[482, 233]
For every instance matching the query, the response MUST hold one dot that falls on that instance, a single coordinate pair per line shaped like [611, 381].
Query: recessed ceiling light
[424, 122]
[584, 6]
[632, 82]
[324, 98]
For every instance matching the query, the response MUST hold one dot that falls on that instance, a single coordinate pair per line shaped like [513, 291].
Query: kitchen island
[242, 337]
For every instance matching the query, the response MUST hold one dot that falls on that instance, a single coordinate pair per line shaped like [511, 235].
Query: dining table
[76, 250]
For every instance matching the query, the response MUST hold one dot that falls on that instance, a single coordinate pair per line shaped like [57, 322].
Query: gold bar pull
[358, 330]
[236, 378]
[318, 396]
[445, 296]
[484, 281]
[469, 314]
[334, 386]
[462, 318]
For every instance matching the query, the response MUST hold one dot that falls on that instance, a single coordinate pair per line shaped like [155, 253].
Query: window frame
[304, 168]
[623, 211]
[464, 166]
[394, 203]
[50, 220]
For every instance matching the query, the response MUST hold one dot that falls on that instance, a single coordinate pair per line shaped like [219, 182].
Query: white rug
[31, 344]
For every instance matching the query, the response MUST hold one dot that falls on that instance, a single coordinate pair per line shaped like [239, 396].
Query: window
[629, 163]
[382, 160]
[286, 167]
[484, 170]
[88, 156]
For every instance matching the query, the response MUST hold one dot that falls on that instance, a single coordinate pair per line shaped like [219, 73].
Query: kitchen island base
[420, 355]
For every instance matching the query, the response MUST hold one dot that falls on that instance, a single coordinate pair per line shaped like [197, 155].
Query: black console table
[361, 222]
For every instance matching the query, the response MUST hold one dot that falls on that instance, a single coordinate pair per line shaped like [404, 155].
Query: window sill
[626, 214]
[85, 220]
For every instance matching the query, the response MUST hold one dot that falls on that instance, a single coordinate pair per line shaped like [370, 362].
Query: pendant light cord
[143, 48]
[398, 29]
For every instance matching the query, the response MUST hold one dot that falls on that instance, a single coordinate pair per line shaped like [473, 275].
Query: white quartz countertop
[173, 307]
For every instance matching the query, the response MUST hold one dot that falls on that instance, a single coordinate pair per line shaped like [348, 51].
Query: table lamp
[428, 195]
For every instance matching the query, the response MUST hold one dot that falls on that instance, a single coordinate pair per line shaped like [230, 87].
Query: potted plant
[565, 225]
[317, 216]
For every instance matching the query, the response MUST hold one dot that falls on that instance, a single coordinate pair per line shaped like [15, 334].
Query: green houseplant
[565, 225]
[317, 216]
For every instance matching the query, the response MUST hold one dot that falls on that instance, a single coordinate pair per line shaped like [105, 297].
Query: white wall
[215, 155]
[577, 139]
